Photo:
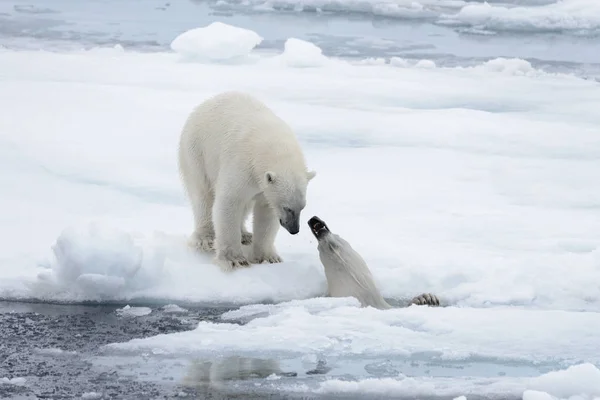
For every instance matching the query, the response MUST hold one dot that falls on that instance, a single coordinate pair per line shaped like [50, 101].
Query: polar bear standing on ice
[236, 155]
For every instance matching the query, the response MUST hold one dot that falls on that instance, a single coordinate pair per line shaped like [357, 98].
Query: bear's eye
[288, 211]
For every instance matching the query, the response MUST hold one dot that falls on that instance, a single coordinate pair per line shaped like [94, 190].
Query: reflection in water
[216, 373]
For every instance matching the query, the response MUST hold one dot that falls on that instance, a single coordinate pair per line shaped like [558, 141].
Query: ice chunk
[216, 42]
[537, 395]
[509, 66]
[569, 15]
[98, 261]
[129, 311]
[299, 53]
[399, 62]
[97, 251]
[575, 380]
[422, 387]
[91, 395]
[578, 16]
[339, 327]
[563, 384]
[425, 64]
[115, 51]
[55, 352]
[18, 381]
[173, 308]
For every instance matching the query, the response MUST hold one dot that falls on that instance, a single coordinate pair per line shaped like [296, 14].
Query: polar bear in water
[348, 274]
[235, 156]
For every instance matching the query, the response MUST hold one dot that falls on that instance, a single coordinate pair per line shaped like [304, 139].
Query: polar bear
[347, 272]
[237, 156]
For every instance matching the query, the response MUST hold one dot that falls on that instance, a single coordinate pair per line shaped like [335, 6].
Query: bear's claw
[235, 264]
[271, 259]
[205, 245]
[426, 299]
[230, 259]
[229, 265]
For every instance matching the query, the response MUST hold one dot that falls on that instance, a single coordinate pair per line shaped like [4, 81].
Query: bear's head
[286, 194]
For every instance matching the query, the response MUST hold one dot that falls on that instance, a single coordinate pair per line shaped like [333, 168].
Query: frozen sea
[424, 119]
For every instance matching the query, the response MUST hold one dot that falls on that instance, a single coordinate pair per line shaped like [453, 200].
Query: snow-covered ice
[339, 328]
[302, 54]
[13, 381]
[580, 17]
[478, 184]
[582, 379]
[577, 16]
[173, 308]
[91, 395]
[514, 66]
[426, 64]
[563, 384]
[477, 181]
[55, 352]
[216, 42]
[129, 311]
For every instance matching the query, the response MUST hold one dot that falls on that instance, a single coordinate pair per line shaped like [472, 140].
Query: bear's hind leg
[204, 234]
[265, 227]
[201, 196]
[228, 212]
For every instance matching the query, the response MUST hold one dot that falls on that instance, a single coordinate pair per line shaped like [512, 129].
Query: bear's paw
[238, 263]
[426, 299]
[204, 244]
[229, 261]
[272, 258]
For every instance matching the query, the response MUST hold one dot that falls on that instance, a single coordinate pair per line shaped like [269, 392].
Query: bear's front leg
[228, 214]
[202, 240]
[265, 227]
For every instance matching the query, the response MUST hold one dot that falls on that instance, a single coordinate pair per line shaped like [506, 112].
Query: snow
[478, 184]
[216, 42]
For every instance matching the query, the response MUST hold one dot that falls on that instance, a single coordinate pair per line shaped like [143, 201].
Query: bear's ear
[310, 175]
[270, 177]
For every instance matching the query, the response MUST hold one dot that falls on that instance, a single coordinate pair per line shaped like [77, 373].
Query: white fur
[348, 275]
[237, 156]
[347, 272]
